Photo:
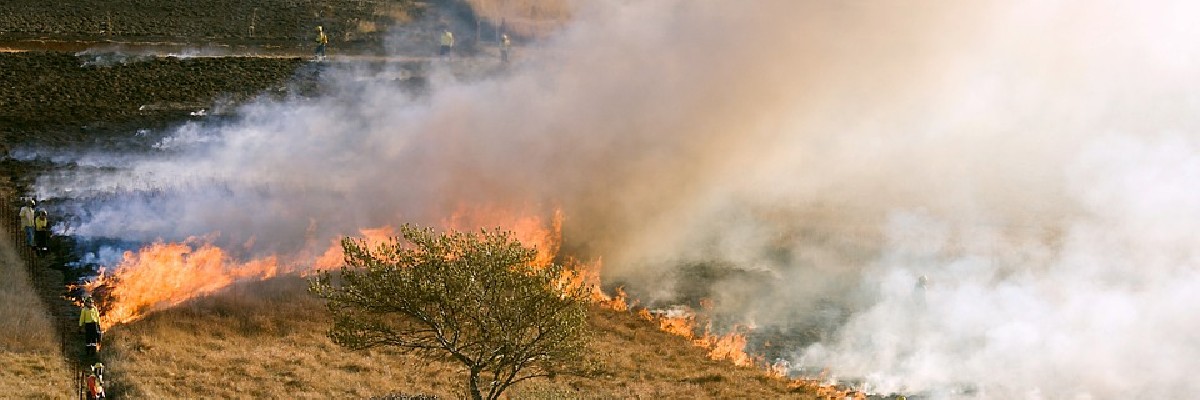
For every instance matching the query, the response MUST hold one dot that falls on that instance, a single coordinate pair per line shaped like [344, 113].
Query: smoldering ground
[1035, 160]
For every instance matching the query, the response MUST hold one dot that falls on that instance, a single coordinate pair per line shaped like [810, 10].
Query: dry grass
[31, 364]
[266, 340]
[34, 376]
[24, 324]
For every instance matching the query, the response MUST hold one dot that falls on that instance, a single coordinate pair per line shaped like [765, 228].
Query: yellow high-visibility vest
[26, 215]
[89, 314]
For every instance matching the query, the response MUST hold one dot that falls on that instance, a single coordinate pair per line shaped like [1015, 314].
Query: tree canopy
[477, 298]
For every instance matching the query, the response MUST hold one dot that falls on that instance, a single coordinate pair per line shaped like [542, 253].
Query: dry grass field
[31, 364]
[258, 340]
[267, 340]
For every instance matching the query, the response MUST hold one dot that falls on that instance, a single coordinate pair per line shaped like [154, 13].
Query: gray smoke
[801, 163]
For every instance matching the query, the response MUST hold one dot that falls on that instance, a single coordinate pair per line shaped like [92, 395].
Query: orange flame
[162, 275]
[334, 256]
[730, 346]
[528, 229]
[827, 391]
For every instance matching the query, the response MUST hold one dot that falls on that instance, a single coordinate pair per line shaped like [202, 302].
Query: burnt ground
[63, 100]
[274, 21]
[275, 26]
[90, 75]
[54, 101]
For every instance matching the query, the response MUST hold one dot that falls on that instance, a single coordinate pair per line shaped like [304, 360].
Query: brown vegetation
[267, 340]
[33, 366]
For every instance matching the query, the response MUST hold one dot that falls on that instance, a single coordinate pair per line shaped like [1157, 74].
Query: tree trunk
[474, 385]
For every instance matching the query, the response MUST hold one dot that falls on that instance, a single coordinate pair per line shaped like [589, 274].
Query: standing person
[41, 228]
[95, 388]
[89, 320]
[322, 40]
[98, 369]
[26, 215]
[447, 43]
[505, 45]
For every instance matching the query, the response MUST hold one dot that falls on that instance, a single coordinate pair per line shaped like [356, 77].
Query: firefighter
[95, 387]
[505, 45]
[447, 43]
[41, 228]
[920, 289]
[98, 369]
[89, 320]
[322, 40]
[27, 215]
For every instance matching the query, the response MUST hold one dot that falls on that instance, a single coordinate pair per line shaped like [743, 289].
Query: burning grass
[165, 275]
[266, 340]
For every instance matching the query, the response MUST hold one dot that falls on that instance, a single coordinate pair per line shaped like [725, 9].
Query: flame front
[162, 275]
[730, 346]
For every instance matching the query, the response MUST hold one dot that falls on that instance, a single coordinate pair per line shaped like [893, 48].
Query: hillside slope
[33, 366]
[267, 340]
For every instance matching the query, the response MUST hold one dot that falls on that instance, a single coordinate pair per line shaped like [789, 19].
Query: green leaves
[476, 297]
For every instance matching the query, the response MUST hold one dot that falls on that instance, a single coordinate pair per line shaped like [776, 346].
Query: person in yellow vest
[447, 43]
[322, 40]
[26, 215]
[505, 45]
[41, 228]
[89, 320]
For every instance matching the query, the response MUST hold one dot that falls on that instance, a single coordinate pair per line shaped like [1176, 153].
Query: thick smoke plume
[802, 163]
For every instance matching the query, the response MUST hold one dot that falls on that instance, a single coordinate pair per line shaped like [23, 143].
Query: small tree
[476, 298]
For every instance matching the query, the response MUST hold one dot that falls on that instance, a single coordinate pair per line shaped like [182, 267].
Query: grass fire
[545, 199]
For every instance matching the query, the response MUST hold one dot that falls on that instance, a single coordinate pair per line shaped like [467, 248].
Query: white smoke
[1036, 160]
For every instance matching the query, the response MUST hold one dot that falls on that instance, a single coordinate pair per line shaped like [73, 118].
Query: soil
[199, 20]
[93, 75]
[57, 101]
[82, 88]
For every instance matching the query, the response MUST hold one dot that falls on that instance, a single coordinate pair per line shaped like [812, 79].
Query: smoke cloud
[802, 163]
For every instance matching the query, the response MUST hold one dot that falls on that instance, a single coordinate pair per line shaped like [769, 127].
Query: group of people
[445, 44]
[89, 321]
[36, 224]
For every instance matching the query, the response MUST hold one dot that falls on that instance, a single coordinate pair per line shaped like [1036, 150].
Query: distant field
[288, 20]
